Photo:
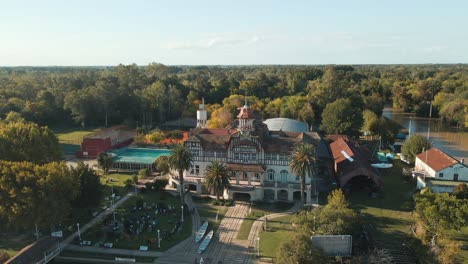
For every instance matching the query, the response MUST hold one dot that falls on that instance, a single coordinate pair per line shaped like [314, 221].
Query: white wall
[449, 173]
[421, 165]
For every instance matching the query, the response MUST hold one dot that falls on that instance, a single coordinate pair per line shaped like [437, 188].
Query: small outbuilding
[106, 139]
[439, 171]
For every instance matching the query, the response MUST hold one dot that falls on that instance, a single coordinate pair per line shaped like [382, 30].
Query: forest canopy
[150, 95]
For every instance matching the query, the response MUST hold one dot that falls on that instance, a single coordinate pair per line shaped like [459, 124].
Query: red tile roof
[340, 145]
[436, 159]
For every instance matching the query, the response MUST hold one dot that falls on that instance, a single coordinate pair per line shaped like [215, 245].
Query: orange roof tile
[436, 159]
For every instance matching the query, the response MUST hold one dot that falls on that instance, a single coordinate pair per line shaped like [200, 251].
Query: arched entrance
[191, 187]
[268, 194]
[282, 195]
[238, 196]
[297, 195]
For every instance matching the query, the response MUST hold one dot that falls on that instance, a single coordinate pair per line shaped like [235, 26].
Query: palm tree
[302, 163]
[216, 177]
[179, 160]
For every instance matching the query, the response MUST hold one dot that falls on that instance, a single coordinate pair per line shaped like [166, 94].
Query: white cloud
[433, 49]
[224, 40]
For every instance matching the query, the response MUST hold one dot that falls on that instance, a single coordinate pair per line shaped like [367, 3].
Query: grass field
[260, 209]
[281, 231]
[72, 135]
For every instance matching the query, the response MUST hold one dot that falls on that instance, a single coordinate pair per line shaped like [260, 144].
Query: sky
[237, 32]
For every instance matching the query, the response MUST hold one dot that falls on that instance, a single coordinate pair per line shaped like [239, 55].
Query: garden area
[137, 221]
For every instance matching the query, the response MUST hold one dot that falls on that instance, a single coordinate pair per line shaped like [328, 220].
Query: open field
[260, 209]
[72, 135]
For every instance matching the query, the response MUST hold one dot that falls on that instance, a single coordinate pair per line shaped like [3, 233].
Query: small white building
[439, 171]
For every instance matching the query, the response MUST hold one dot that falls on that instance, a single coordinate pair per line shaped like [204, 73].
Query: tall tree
[26, 141]
[90, 186]
[342, 117]
[300, 250]
[414, 145]
[180, 160]
[105, 161]
[216, 178]
[303, 163]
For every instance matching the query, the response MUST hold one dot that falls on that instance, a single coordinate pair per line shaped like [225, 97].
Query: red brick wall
[94, 146]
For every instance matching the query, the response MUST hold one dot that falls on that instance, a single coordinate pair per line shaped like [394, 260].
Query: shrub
[216, 202]
[229, 202]
[4, 256]
[143, 173]
[149, 185]
[128, 183]
[160, 184]
[175, 134]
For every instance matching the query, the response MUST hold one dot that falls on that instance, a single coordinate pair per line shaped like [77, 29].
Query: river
[450, 140]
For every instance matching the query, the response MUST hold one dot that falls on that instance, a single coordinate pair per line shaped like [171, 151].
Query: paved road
[223, 248]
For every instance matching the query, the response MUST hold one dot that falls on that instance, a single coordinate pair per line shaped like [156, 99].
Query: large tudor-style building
[257, 158]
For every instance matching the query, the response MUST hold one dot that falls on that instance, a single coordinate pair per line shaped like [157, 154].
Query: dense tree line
[35, 188]
[156, 93]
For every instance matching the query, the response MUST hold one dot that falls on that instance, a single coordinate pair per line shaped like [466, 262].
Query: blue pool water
[138, 155]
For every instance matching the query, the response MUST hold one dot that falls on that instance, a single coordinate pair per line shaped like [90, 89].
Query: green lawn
[73, 135]
[209, 213]
[260, 209]
[115, 182]
[92, 255]
[101, 232]
[388, 214]
[281, 231]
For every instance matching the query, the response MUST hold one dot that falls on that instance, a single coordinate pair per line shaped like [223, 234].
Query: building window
[284, 175]
[441, 175]
[270, 156]
[236, 155]
[297, 178]
[257, 176]
[455, 177]
[283, 156]
[197, 169]
[192, 170]
[271, 175]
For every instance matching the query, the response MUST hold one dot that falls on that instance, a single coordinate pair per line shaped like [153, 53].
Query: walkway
[257, 226]
[223, 248]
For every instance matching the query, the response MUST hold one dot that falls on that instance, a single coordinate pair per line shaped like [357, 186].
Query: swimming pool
[138, 155]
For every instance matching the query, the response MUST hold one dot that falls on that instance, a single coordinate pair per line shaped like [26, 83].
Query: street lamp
[79, 234]
[182, 218]
[159, 240]
[258, 246]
